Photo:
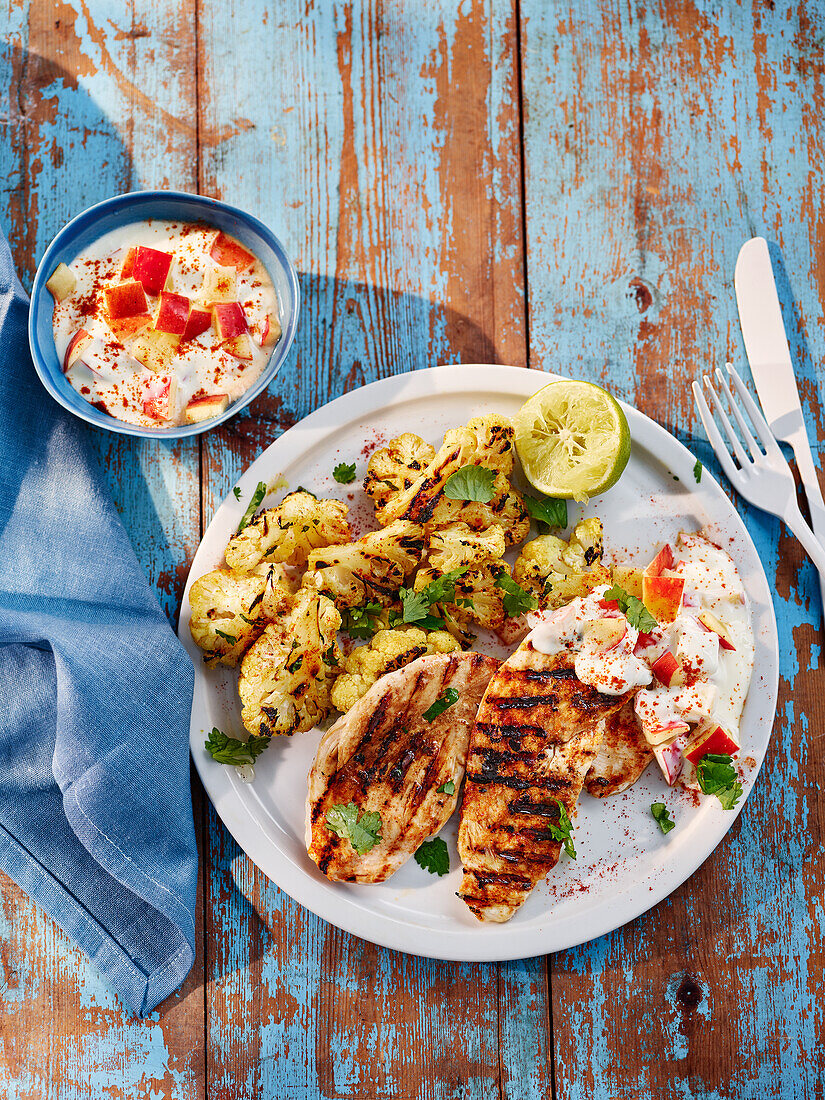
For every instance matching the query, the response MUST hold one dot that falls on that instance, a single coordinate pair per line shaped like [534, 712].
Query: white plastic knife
[769, 356]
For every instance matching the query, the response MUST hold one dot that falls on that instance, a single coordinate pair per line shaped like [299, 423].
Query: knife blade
[766, 346]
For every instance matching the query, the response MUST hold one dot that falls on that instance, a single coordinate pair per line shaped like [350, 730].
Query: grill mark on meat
[524, 702]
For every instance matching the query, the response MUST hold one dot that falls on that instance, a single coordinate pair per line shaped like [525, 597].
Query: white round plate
[625, 865]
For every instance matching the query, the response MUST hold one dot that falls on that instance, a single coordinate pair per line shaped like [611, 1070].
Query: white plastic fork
[763, 477]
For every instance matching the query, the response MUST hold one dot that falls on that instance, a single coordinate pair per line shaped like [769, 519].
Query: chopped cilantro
[361, 622]
[442, 703]
[471, 483]
[563, 831]
[632, 608]
[663, 818]
[697, 471]
[227, 637]
[296, 664]
[717, 775]
[229, 750]
[257, 497]
[517, 600]
[415, 606]
[548, 510]
[363, 832]
[237, 493]
[434, 857]
[344, 473]
[446, 788]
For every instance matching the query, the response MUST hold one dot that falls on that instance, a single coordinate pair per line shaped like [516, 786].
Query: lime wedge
[572, 439]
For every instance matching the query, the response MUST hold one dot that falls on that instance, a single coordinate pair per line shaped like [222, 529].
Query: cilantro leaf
[361, 622]
[564, 830]
[344, 473]
[632, 608]
[257, 497]
[446, 788]
[415, 606]
[471, 483]
[663, 818]
[229, 750]
[717, 775]
[237, 493]
[442, 703]
[362, 832]
[697, 471]
[517, 600]
[434, 857]
[548, 510]
[227, 637]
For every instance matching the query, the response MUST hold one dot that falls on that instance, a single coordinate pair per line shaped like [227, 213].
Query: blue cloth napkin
[95, 695]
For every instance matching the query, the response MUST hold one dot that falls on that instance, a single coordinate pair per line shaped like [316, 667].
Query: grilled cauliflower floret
[457, 544]
[287, 673]
[370, 570]
[300, 524]
[556, 571]
[227, 615]
[493, 442]
[477, 599]
[388, 651]
[395, 467]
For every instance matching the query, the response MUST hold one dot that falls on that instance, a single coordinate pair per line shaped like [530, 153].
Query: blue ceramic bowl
[172, 206]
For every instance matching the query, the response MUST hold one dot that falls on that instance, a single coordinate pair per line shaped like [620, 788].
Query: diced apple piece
[219, 285]
[668, 670]
[204, 408]
[662, 596]
[199, 321]
[605, 634]
[239, 346]
[161, 397]
[128, 268]
[710, 737]
[62, 283]
[125, 300]
[229, 319]
[629, 578]
[155, 350]
[663, 560]
[710, 622]
[127, 328]
[226, 252]
[78, 343]
[151, 267]
[670, 759]
[172, 313]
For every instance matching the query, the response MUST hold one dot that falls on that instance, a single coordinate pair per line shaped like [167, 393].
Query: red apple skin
[229, 319]
[669, 758]
[173, 313]
[127, 271]
[239, 346]
[228, 253]
[668, 670]
[157, 400]
[75, 349]
[724, 641]
[662, 596]
[713, 739]
[125, 300]
[663, 560]
[199, 321]
[204, 408]
[151, 267]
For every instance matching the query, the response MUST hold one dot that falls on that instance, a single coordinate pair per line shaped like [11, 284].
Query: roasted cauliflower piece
[493, 442]
[227, 615]
[457, 544]
[369, 570]
[286, 675]
[394, 468]
[289, 533]
[556, 571]
[478, 599]
[388, 651]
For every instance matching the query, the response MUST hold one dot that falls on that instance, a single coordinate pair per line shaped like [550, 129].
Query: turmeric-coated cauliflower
[556, 571]
[286, 675]
[393, 468]
[388, 651]
[300, 524]
[491, 439]
[227, 615]
[458, 544]
[477, 599]
[369, 570]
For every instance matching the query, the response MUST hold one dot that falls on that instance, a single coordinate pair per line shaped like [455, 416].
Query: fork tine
[733, 438]
[716, 442]
[750, 442]
[757, 419]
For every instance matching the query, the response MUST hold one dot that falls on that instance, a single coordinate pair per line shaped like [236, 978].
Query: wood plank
[658, 138]
[98, 105]
[390, 168]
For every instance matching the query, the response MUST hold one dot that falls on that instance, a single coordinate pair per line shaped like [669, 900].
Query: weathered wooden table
[555, 185]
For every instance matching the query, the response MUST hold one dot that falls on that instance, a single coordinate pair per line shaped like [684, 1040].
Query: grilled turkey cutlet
[384, 756]
[535, 738]
[622, 756]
